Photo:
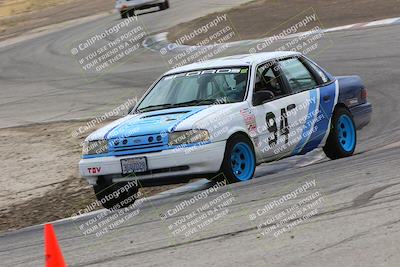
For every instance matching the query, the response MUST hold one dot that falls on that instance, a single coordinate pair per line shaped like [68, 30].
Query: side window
[298, 76]
[267, 79]
[318, 70]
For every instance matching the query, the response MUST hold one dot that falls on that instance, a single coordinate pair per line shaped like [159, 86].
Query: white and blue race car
[225, 116]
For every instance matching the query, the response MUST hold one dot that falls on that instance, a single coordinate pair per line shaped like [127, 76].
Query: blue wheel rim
[346, 133]
[242, 161]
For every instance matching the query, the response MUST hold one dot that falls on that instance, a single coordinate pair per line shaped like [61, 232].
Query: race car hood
[160, 121]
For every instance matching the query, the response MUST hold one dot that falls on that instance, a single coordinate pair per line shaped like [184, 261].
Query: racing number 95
[273, 127]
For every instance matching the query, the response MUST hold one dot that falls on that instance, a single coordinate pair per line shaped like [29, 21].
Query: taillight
[364, 94]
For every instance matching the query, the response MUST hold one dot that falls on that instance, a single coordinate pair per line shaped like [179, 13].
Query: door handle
[327, 98]
[290, 107]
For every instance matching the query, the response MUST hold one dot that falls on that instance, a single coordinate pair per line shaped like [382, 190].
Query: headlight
[95, 147]
[188, 137]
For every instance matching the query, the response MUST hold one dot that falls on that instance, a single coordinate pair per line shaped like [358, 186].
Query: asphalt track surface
[357, 223]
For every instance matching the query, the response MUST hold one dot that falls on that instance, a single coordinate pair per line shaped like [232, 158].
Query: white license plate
[133, 165]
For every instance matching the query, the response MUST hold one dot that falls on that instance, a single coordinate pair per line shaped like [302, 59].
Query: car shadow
[145, 12]
[152, 10]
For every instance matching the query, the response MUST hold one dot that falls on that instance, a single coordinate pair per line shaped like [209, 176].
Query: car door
[314, 96]
[274, 123]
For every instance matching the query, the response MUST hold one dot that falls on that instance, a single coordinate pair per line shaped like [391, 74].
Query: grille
[138, 144]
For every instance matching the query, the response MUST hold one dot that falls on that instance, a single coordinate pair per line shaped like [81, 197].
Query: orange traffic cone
[52, 253]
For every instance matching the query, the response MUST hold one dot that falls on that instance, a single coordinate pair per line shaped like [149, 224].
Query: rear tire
[107, 194]
[164, 5]
[342, 138]
[239, 161]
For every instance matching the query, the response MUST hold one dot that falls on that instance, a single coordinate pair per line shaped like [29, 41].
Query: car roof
[232, 61]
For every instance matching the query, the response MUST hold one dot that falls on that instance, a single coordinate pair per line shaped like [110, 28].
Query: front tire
[239, 161]
[131, 12]
[124, 14]
[342, 138]
[112, 196]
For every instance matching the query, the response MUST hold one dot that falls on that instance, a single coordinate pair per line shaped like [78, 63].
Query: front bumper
[195, 160]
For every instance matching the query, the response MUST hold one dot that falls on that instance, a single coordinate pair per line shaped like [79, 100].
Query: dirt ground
[262, 18]
[40, 180]
[20, 16]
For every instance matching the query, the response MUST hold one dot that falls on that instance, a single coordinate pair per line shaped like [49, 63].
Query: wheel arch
[340, 105]
[245, 135]
[332, 148]
[242, 134]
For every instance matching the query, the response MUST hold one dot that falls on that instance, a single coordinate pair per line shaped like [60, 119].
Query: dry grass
[20, 16]
[16, 7]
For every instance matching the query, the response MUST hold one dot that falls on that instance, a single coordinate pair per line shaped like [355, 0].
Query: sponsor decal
[203, 72]
[94, 170]
[249, 120]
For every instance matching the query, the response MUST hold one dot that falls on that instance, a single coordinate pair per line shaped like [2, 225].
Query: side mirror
[261, 97]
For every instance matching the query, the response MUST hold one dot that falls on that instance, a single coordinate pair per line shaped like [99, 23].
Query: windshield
[203, 87]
